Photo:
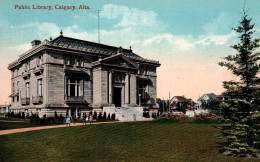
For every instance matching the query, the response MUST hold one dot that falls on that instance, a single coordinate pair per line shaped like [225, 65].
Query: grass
[22, 123]
[136, 141]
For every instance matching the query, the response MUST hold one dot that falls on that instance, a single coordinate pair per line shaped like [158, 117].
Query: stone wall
[55, 78]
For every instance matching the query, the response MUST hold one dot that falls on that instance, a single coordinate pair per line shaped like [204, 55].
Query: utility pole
[169, 102]
[163, 105]
[98, 29]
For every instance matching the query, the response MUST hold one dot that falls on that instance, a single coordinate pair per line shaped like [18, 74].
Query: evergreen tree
[241, 112]
[95, 115]
[100, 116]
[55, 115]
[105, 116]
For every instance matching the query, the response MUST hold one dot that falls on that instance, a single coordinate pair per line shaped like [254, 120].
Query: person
[90, 119]
[134, 116]
[68, 120]
[84, 119]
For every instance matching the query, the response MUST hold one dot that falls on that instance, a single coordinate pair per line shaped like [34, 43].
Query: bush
[113, 116]
[95, 115]
[104, 116]
[100, 116]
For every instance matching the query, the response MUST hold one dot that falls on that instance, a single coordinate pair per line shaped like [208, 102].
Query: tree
[95, 115]
[105, 116]
[100, 116]
[241, 112]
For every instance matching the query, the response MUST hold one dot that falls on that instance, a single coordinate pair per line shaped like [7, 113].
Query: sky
[188, 37]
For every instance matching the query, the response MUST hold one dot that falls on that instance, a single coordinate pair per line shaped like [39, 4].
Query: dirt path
[19, 130]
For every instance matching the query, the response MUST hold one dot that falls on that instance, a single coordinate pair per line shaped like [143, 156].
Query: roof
[210, 95]
[101, 48]
[80, 46]
[181, 99]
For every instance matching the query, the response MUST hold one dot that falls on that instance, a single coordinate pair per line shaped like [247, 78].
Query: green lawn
[136, 141]
[12, 125]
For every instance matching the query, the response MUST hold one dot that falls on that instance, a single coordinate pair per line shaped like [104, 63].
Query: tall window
[69, 60]
[13, 87]
[27, 86]
[72, 61]
[39, 61]
[74, 87]
[17, 91]
[79, 62]
[39, 85]
[141, 90]
[27, 66]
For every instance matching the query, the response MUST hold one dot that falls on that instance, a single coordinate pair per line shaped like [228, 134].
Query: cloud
[220, 25]
[215, 39]
[133, 17]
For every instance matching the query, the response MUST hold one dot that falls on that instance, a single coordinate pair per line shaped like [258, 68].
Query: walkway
[19, 130]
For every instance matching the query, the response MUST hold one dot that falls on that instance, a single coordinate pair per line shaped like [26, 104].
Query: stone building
[72, 76]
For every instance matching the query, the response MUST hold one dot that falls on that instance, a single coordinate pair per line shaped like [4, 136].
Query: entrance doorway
[117, 97]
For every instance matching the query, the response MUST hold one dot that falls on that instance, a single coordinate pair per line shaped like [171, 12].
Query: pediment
[120, 61]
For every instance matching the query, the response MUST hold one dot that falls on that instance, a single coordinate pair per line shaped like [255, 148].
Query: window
[72, 61]
[74, 87]
[27, 86]
[16, 72]
[27, 67]
[119, 78]
[39, 61]
[39, 85]
[13, 87]
[69, 60]
[18, 96]
[141, 90]
[79, 62]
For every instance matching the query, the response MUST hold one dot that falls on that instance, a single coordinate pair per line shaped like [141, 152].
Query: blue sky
[188, 37]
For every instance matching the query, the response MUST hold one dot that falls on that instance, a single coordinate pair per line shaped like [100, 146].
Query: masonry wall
[100, 87]
[133, 93]
[88, 87]
[97, 87]
[55, 80]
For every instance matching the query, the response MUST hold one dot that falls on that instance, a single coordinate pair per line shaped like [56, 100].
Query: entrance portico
[114, 81]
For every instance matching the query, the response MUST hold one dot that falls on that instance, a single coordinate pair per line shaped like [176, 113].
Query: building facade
[72, 76]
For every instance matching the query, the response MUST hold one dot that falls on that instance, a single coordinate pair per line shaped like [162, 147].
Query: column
[127, 90]
[110, 89]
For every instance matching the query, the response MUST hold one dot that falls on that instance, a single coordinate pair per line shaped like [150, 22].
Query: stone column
[110, 89]
[127, 89]
[69, 112]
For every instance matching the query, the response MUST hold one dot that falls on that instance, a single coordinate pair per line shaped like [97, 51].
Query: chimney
[120, 50]
[36, 43]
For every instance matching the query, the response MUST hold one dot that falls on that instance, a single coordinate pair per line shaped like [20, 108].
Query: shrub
[95, 115]
[104, 116]
[100, 116]
[113, 116]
